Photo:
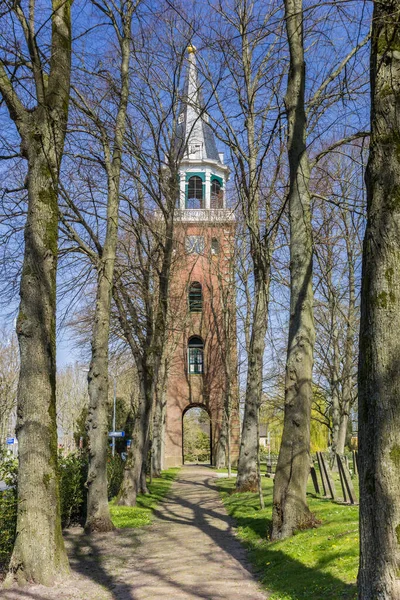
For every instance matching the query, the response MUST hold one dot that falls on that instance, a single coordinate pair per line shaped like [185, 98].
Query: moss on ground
[142, 514]
[319, 563]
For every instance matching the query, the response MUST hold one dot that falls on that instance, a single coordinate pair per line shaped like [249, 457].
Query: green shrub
[73, 473]
[8, 507]
[73, 493]
[263, 453]
[73, 470]
[115, 473]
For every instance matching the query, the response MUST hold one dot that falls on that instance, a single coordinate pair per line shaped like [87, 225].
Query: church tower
[202, 365]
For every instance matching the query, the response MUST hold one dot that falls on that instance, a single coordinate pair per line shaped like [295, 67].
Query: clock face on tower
[194, 244]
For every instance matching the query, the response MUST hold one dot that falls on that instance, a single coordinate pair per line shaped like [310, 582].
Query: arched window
[195, 355]
[195, 297]
[216, 194]
[195, 193]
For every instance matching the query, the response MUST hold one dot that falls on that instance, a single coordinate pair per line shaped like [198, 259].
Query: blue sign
[115, 434]
[10, 441]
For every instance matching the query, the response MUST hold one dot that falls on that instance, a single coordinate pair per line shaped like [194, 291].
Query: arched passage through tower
[197, 435]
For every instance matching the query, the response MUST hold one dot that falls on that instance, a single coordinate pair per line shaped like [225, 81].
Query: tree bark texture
[335, 374]
[289, 503]
[348, 375]
[132, 481]
[39, 554]
[379, 368]
[98, 514]
[342, 434]
[148, 353]
[221, 449]
[247, 476]
[159, 422]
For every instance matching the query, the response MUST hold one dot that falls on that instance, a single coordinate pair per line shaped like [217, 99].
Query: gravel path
[188, 553]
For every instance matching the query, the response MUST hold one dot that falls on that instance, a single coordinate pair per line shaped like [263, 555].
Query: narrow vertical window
[195, 297]
[214, 246]
[216, 194]
[195, 193]
[195, 356]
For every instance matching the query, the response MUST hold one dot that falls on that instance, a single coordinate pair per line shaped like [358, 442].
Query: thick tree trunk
[342, 434]
[39, 553]
[220, 453]
[289, 503]
[132, 480]
[247, 476]
[159, 423]
[336, 409]
[158, 439]
[348, 369]
[143, 476]
[98, 513]
[379, 373]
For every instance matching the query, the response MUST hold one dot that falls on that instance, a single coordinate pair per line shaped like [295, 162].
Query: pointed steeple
[194, 134]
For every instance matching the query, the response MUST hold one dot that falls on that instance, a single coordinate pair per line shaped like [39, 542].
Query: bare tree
[98, 516]
[34, 84]
[72, 399]
[246, 93]
[289, 503]
[100, 101]
[338, 226]
[379, 374]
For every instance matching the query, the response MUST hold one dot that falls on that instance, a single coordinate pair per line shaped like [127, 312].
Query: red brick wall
[213, 271]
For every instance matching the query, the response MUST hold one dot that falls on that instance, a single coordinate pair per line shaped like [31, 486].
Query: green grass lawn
[141, 514]
[316, 564]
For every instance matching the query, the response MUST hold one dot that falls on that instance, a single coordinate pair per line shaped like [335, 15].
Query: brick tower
[203, 357]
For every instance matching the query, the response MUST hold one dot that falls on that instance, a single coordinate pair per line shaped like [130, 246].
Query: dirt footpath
[188, 553]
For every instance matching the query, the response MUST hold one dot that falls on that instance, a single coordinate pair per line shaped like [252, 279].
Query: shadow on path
[189, 553]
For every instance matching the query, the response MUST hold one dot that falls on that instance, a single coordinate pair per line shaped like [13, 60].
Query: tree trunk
[379, 373]
[98, 514]
[342, 435]
[39, 554]
[158, 440]
[220, 454]
[335, 366]
[143, 478]
[247, 476]
[349, 350]
[289, 503]
[159, 423]
[132, 480]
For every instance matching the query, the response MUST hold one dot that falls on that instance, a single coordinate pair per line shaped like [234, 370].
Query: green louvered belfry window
[195, 297]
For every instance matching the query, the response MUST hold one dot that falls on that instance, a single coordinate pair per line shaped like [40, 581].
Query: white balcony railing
[194, 215]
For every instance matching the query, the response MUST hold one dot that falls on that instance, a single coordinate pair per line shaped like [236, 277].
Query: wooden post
[355, 462]
[347, 484]
[322, 473]
[314, 479]
[341, 475]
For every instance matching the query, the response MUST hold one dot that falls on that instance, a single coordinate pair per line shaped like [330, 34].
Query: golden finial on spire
[191, 49]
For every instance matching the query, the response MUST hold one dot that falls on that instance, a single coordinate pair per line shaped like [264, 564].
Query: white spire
[195, 130]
